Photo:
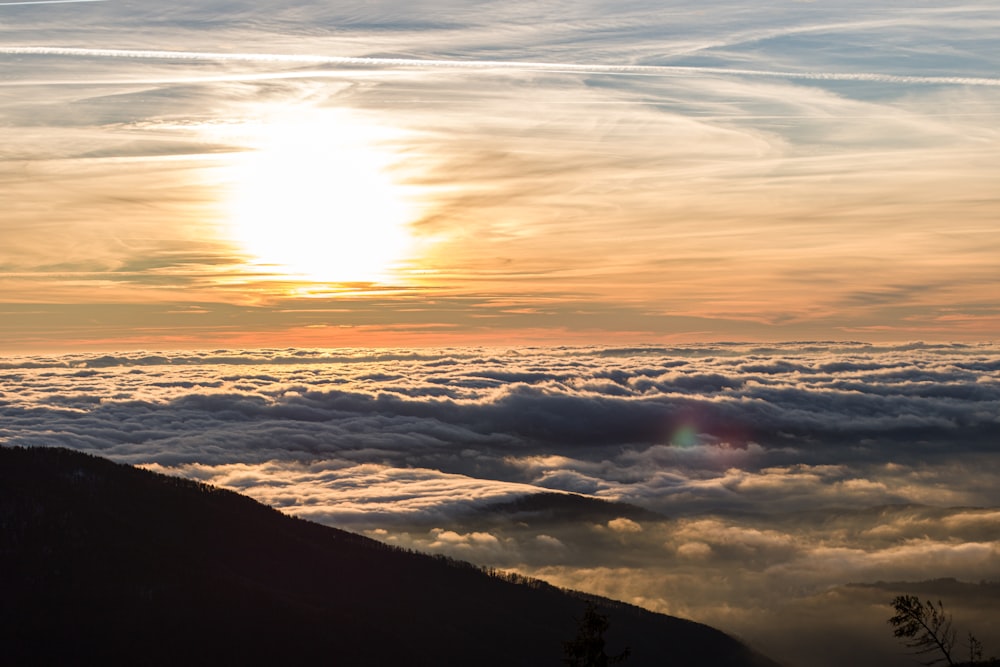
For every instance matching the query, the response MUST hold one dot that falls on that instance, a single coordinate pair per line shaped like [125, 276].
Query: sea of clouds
[769, 477]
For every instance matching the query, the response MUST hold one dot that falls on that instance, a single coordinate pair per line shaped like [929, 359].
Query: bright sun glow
[314, 199]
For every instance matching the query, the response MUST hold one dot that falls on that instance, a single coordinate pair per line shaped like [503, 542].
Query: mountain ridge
[103, 562]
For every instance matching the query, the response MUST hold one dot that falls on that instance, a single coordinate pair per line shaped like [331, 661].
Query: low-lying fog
[771, 491]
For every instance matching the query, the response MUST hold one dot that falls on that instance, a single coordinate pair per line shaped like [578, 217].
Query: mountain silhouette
[103, 563]
[566, 507]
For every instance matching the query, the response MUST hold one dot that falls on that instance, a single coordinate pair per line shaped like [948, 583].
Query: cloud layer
[778, 473]
[715, 425]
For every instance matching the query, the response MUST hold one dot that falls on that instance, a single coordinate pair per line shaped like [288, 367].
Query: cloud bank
[712, 427]
[769, 477]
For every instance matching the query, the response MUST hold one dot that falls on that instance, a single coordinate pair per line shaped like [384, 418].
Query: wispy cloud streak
[646, 70]
[46, 2]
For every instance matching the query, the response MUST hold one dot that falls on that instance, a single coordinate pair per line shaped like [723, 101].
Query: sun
[314, 199]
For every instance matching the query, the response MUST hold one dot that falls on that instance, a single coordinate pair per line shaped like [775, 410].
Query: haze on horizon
[205, 174]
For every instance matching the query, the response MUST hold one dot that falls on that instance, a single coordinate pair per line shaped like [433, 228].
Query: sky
[784, 493]
[229, 174]
[395, 266]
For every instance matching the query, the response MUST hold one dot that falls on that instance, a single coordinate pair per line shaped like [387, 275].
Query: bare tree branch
[926, 628]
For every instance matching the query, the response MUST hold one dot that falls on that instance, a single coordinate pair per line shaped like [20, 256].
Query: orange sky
[785, 175]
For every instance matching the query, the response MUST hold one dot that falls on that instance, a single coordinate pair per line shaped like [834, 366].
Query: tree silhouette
[975, 649]
[587, 649]
[926, 628]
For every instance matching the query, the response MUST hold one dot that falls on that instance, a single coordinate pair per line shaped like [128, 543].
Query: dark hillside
[103, 563]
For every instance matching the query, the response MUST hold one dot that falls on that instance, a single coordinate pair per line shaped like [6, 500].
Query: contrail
[45, 2]
[647, 70]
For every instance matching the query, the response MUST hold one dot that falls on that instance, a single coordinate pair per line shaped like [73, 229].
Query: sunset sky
[386, 264]
[204, 174]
